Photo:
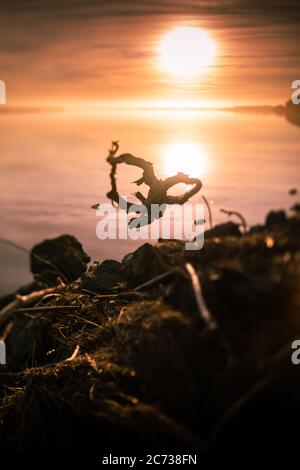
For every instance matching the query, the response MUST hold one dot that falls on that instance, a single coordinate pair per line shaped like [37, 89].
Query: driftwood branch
[158, 192]
[22, 301]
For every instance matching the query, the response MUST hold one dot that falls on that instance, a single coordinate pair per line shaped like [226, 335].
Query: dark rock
[104, 277]
[275, 218]
[296, 208]
[61, 257]
[256, 229]
[229, 229]
[143, 264]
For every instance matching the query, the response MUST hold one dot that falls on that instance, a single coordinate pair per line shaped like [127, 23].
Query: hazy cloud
[72, 8]
[105, 49]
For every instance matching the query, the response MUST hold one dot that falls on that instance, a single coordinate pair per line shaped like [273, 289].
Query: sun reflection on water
[186, 157]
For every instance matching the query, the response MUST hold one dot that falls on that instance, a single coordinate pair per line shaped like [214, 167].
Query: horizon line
[15, 109]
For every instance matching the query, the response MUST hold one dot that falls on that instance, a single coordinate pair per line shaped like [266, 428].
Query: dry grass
[143, 370]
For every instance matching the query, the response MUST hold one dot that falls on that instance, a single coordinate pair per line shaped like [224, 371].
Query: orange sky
[98, 53]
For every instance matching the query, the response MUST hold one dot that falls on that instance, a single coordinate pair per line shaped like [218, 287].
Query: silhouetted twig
[209, 211]
[203, 310]
[37, 257]
[23, 301]
[237, 214]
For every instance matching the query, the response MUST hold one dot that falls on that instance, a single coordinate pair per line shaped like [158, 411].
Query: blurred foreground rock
[62, 257]
[103, 277]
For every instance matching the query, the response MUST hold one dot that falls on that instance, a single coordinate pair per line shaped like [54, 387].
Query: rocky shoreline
[117, 354]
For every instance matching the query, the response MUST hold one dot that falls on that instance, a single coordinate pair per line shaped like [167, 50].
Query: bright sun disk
[186, 51]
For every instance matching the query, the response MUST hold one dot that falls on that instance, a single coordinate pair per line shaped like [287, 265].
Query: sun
[186, 51]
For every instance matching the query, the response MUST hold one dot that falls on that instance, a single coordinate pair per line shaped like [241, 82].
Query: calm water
[53, 169]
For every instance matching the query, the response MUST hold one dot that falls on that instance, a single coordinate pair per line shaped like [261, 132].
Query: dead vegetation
[168, 349]
[157, 194]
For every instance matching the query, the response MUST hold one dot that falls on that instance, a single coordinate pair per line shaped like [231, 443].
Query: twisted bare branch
[158, 192]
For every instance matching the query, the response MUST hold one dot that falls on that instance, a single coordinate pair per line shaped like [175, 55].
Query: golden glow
[185, 157]
[186, 51]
